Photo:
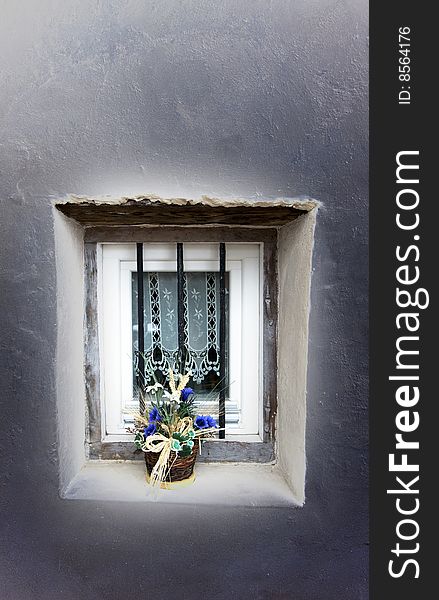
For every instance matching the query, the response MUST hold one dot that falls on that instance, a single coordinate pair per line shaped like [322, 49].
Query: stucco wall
[184, 98]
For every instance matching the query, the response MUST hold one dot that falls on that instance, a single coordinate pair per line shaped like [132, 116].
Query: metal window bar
[222, 340]
[180, 309]
[140, 325]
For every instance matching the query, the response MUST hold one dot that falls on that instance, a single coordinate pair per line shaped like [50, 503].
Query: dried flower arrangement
[169, 429]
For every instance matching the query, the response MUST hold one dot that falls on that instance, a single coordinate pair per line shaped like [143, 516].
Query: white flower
[152, 389]
[174, 397]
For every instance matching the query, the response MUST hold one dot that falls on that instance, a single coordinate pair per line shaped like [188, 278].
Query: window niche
[284, 232]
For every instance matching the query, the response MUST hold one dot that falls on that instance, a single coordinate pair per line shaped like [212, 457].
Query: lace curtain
[201, 307]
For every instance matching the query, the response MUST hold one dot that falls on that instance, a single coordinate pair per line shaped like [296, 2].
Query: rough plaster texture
[304, 204]
[295, 244]
[154, 210]
[239, 99]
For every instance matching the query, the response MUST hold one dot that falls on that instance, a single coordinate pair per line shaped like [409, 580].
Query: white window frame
[244, 265]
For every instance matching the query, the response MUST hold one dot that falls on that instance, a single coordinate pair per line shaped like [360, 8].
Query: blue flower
[200, 422]
[211, 421]
[150, 430]
[154, 415]
[185, 393]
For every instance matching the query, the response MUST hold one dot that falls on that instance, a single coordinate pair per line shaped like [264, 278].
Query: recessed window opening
[266, 284]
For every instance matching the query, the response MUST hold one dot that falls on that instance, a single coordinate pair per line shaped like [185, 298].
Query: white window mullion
[111, 315]
[250, 351]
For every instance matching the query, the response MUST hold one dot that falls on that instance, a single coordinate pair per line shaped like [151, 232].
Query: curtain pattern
[201, 333]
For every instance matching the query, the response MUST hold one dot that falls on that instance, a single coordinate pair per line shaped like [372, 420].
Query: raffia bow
[162, 444]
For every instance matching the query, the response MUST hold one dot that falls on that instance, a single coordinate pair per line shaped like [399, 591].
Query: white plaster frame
[295, 246]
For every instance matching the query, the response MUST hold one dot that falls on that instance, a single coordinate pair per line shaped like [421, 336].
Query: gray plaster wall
[256, 98]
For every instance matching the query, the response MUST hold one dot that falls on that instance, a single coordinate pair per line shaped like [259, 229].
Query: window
[119, 327]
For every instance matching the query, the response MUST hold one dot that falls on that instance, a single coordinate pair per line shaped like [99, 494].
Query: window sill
[215, 484]
[234, 449]
[230, 437]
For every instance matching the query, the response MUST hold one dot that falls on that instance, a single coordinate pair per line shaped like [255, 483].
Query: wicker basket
[182, 468]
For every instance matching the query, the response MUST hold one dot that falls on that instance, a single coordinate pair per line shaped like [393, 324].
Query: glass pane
[201, 328]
